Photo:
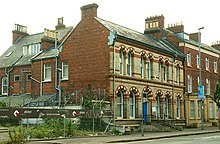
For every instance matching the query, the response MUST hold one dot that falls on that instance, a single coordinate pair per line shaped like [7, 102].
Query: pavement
[128, 138]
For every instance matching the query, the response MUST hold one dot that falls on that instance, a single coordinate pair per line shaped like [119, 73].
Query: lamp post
[200, 88]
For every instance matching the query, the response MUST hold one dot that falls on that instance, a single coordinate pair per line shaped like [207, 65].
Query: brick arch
[122, 48]
[161, 59]
[179, 95]
[144, 54]
[166, 60]
[121, 88]
[131, 50]
[135, 91]
[150, 55]
[159, 93]
[148, 90]
[168, 94]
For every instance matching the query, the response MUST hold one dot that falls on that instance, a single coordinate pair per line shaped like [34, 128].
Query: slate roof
[16, 57]
[193, 42]
[139, 37]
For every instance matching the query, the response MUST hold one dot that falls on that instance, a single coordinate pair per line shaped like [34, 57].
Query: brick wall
[87, 53]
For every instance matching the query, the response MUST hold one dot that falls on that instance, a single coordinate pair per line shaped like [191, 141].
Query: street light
[200, 79]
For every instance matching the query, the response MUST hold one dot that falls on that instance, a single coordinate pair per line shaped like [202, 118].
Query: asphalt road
[213, 138]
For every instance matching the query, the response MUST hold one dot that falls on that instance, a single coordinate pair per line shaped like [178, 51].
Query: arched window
[159, 70]
[178, 75]
[132, 105]
[121, 61]
[149, 68]
[166, 107]
[120, 104]
[130, 64]
[157, 107]
[165, 72]
[177, 107]
[142, 66]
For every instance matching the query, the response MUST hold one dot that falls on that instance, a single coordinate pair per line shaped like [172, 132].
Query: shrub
[17, 134]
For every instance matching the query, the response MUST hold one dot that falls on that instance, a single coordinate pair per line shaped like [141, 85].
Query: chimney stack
[176, 27]
[89, 11]
[18, 32]
[194, 36]
[60, 24]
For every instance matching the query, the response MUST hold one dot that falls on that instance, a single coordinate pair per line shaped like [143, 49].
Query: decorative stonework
[159, 93]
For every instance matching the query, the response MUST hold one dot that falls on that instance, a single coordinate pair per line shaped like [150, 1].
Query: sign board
[16, 113]
[201, 92]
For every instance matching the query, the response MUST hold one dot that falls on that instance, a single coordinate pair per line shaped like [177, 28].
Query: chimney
[194, 36]
[89, 11]
[60, 24]
[216, 45]
[176, 27]
[155, 22]
[49, 38]
[18, 32]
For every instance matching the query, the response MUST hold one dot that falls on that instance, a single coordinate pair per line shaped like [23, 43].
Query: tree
[216, 99]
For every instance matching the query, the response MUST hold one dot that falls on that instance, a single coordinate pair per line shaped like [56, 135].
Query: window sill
[45, 81]
[64, 79]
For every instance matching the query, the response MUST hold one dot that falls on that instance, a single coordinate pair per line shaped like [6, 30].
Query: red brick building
[189, 45]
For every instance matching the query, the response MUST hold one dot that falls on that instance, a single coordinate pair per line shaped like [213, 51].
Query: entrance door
[145, 111]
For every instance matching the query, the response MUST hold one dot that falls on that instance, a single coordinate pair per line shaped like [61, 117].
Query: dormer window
[25, 50]
[34, 48]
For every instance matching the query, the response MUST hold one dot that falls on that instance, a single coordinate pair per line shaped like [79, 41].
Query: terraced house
[189, 45]
[132, 67]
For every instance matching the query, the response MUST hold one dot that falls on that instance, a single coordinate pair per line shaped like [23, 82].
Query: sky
[40, 14]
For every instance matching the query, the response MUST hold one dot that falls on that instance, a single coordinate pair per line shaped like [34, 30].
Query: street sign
[201, 92]
[16, 113]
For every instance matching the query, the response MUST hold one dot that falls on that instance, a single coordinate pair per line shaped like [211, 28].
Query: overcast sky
[40, 14]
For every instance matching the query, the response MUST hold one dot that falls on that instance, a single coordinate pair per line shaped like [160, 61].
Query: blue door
[145, 111]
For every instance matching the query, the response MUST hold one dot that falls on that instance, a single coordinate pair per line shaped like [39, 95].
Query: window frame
[132, 105]
[207, 63]
[16, 78]
[189, 83]
[4, 79]
[207, 81]
[65, 66]
[120, 104]
[46, 68]
[215, 66]
[142, 66]
[121, 62]
[192, 109]
[149, 68]
[188, 59]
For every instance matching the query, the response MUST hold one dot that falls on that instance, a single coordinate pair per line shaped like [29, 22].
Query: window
[199, 109]
[121, 59]
[149, 66]
[132, 105]
[4, 86]
[129, 64]
[34, 48]
[211, 110]
[207, 86]
[189, 77]
[198, 80]
[165, 73]
[197, 61]
[177, 107]
[215, 66]
[16, 78]
[207, 63]
[188, 59]
[166, 107]
[159, 70]
[120, 105]
[192, 112]
[25, 52]
[177, 75]
[217, 111]
[47, 72]
[64, 70]
[157, 107]
[142, 67]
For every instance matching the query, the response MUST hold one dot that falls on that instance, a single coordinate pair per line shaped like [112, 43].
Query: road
[213, 138]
